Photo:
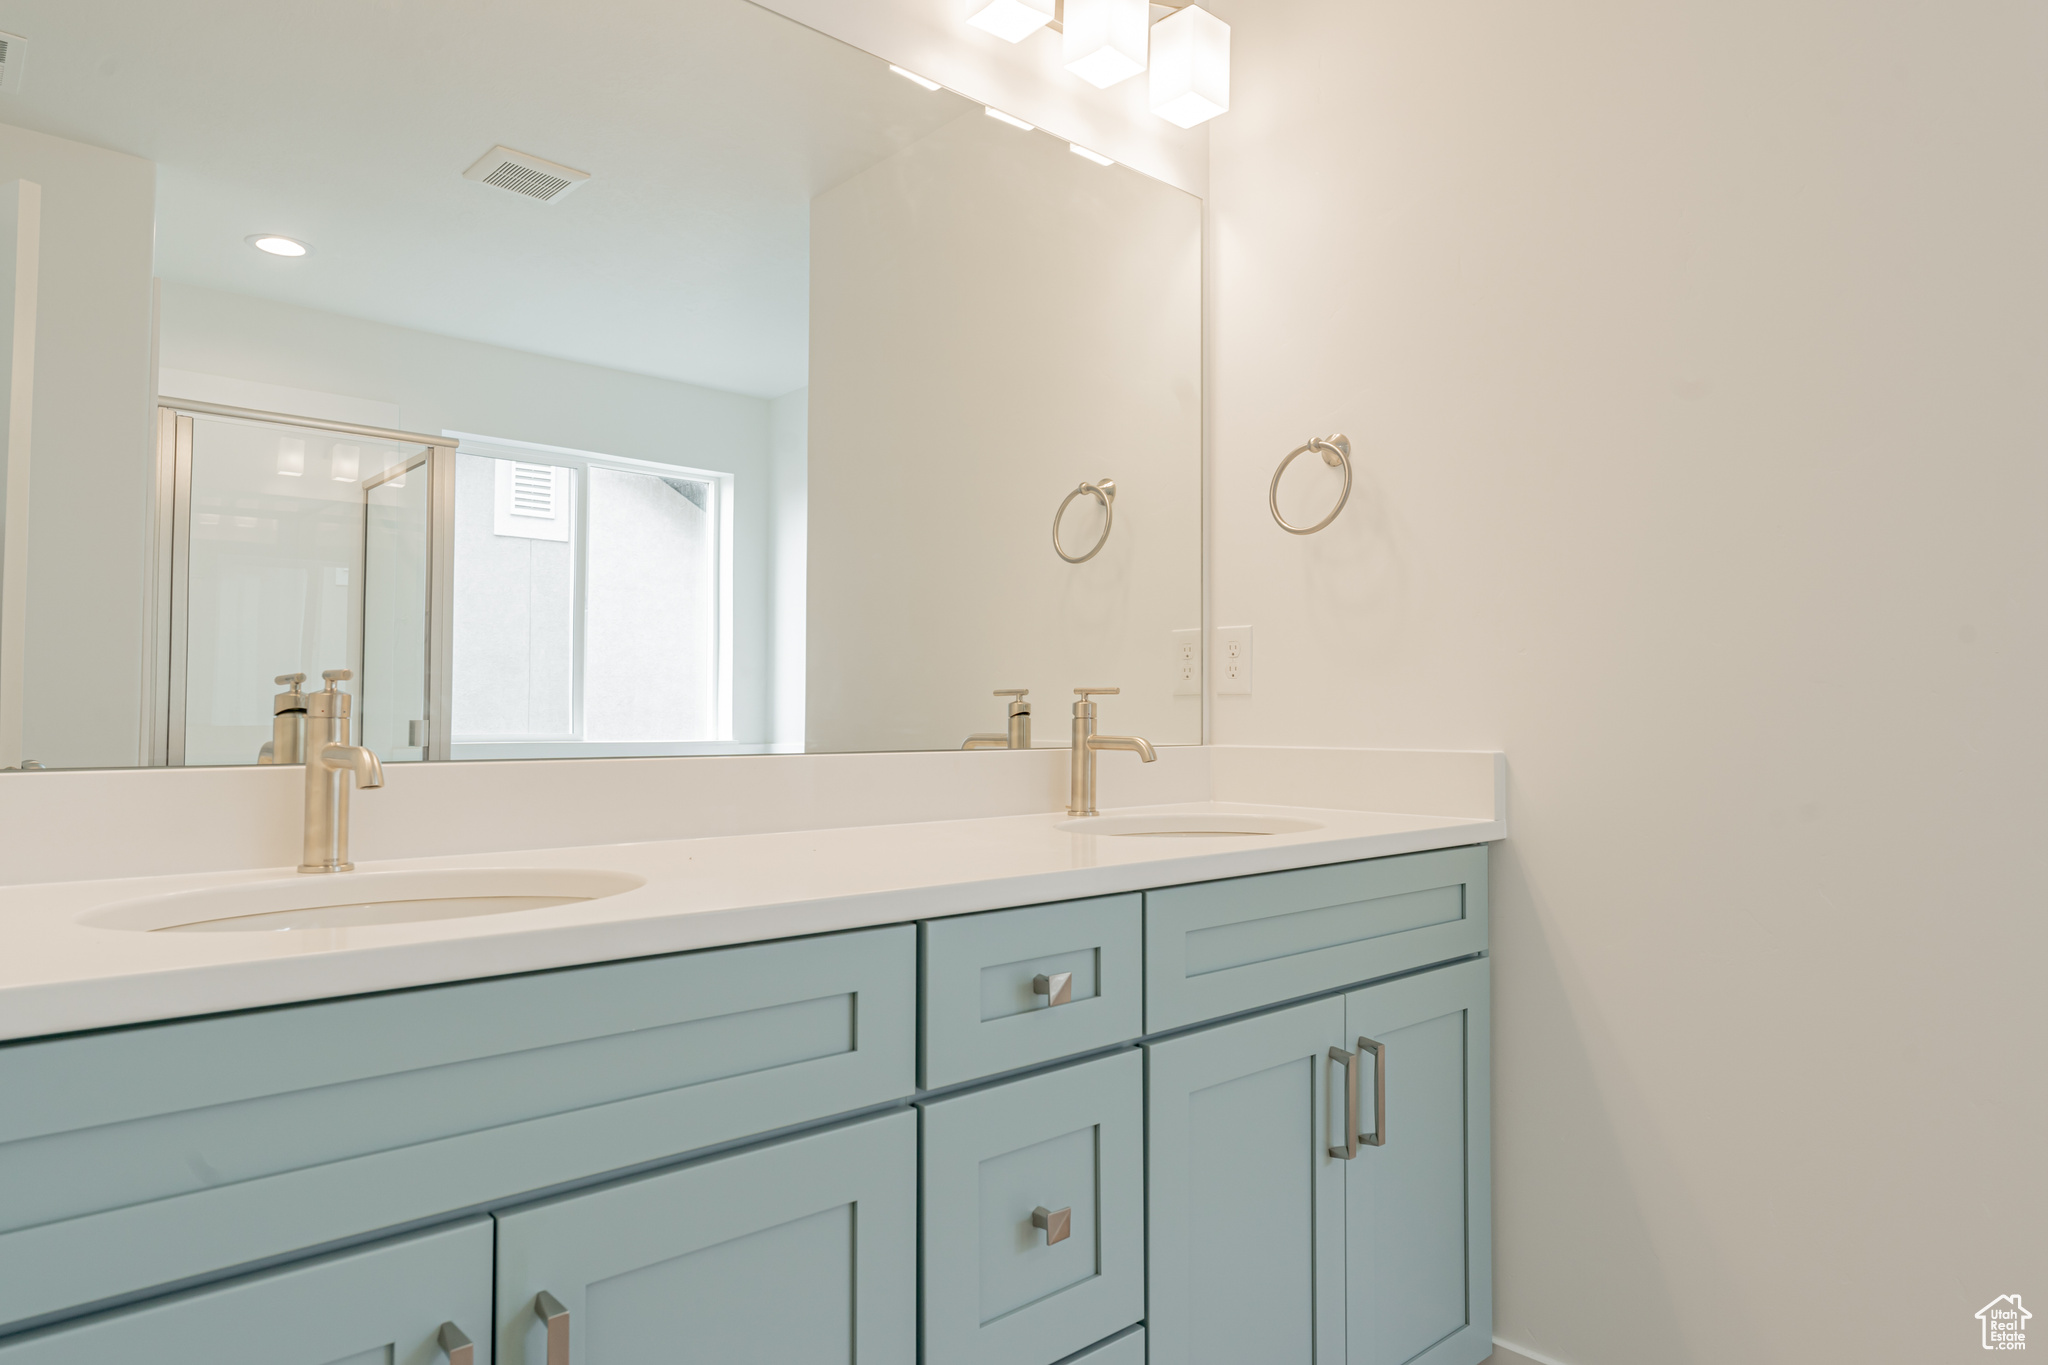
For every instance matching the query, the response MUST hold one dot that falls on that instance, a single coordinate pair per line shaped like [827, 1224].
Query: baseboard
[1504, 1354]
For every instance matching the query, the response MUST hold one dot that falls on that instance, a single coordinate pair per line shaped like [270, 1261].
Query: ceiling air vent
[523, 174]
[12, 50]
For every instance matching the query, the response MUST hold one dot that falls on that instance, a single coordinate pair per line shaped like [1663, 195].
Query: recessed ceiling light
[276, 245]
[1097, 157]
[1010, 119]
[914, 78]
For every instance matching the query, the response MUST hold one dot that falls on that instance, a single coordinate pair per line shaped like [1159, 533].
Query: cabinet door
[800, 1250]
[1419, 1207]
[999, 1287]
[380, 1305]
[1246, 1235]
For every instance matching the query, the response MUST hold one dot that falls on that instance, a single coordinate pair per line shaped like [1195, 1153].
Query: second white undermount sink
[350, 899]
[1189, 825]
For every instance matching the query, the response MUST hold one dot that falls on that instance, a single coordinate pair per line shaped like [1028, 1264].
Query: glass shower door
[397, 611]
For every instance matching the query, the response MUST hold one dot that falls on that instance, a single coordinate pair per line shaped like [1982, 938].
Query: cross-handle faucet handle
[1013, 691]
[1097, 691]
[335, 675]
[291, 680]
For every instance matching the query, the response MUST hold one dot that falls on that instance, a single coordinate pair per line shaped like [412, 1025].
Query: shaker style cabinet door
[1418, 1205]
[1246, 1235]
[1034, 1215]
[798, 1250]
[417, 1300]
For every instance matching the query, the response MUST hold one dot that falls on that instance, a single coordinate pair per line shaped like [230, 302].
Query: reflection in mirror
[689, 383]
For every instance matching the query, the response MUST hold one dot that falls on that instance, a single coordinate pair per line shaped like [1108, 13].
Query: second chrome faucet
[1087, 744]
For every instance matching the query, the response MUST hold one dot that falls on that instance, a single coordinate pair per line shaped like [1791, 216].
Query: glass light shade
[291, 457]
[347, 463]
[1190, 67]
[1013, 20]
[1103, 41]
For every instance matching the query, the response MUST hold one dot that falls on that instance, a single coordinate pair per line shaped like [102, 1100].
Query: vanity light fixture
[1097, 157]
[1010, 119]
[1013, 20]
[914, 78]
[291, 457]
[347, 462]
[1103, 41]
[1190, 67]
[277, 245]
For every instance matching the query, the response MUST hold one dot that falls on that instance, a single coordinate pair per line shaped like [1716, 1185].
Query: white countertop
[58, 975]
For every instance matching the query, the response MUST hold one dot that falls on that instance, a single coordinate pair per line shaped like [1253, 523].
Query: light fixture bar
[914, 78]
[1010, 119]
[1097, 157]
[1013, 20]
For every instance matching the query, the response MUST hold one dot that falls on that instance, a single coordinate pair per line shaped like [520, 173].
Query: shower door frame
[163, 697]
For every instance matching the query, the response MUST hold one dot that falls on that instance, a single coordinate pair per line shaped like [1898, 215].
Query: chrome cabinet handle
[1349, 1116]
[1058, 989]
[1056, 1224]
[1378, 1136]
[549, 1310]
[453, 1340]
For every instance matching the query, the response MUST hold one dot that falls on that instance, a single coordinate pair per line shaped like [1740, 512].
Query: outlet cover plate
[1233, 661]
[1187, 662]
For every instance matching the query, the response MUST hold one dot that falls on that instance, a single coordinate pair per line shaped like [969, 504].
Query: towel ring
[1335, 450]
[1103, 492]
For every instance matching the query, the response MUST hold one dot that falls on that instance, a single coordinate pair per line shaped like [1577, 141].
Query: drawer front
[801, 1250]
[982, 1015]
[1128, 1349]
[384, 1303]
[145, 1156]
[1216, 948]
[998, 1288]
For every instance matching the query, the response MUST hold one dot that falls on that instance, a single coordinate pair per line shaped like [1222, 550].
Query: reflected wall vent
[12, 49]
[523, 174]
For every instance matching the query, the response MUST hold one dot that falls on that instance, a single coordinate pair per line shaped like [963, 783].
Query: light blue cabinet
[1418, 1209]
[801, 1250]
[1034, 1215]
[385, 1304]
[1246, 1237]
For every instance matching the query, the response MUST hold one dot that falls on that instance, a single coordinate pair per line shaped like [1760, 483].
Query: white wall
[1694, 358]
[789, 498]
[430, 384]
[993, 321]
[91, 449]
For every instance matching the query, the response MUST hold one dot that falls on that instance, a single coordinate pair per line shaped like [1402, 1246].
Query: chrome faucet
[1087, 744]
[330, 762]
[1019, 733]
[287, 742]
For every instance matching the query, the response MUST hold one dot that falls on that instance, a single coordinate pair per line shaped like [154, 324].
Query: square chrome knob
[1058, 989]
[1057, 1224]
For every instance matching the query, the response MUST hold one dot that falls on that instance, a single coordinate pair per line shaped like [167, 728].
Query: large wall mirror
[654, 380]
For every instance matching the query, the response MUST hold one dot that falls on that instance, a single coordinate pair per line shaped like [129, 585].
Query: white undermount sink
[349, 899]
[1188, 825]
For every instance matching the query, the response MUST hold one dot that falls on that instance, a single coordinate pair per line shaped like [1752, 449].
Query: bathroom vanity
[1231, 1108]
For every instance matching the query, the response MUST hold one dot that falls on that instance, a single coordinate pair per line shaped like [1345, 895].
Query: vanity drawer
[1216, 948]
[140, 1157]
[998, 1288]
[982, 1014]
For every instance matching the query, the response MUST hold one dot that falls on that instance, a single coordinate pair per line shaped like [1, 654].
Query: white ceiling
[707, 126]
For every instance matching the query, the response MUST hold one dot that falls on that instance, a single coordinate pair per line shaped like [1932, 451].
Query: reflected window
[589, 605]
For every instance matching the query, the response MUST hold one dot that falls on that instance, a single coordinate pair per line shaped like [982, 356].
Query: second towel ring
[1335, 450]
[1104, 492]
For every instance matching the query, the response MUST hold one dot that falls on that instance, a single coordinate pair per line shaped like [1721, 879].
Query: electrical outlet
[1187, 663]
[1233, 661]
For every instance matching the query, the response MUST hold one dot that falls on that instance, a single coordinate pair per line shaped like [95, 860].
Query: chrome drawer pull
[1057, 1224]
[549, 1310]
[1058, 989]
[1349, 1114]
[1378, 1136]
[452, 1339]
